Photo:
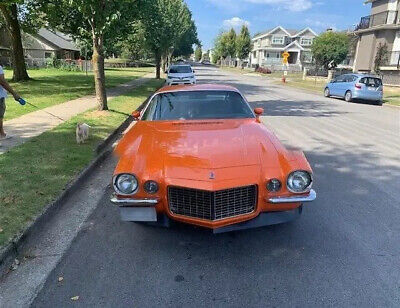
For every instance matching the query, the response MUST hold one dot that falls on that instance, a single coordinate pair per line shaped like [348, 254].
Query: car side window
[340, 78]
[149, 112]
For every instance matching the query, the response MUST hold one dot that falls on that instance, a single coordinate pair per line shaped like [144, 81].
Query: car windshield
[180, 69]
[196, 105]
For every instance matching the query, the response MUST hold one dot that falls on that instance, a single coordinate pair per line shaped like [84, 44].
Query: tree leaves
[330, 46]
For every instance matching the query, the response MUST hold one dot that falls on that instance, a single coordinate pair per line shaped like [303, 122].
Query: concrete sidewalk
[35, 123]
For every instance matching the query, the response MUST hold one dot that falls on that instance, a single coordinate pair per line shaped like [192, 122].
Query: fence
[323, 72]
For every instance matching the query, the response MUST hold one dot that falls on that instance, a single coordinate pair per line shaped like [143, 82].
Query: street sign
[285, 57]
[285, 73]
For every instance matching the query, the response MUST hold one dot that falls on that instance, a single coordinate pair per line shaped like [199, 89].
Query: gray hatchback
[356, 87]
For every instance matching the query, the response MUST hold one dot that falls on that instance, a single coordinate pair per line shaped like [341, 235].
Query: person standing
[4, 85]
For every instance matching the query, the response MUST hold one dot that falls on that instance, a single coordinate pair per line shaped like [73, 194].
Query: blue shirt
[3, 92]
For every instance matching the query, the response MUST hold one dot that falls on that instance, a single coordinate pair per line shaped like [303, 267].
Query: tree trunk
[10, 14]
[158, 65]
[99, 75]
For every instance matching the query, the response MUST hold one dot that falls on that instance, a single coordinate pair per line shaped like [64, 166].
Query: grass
[237, 69]
[35, 173]
[52, 86]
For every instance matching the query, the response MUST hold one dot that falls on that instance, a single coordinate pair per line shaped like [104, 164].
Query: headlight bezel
[306, 189]
[118, 190]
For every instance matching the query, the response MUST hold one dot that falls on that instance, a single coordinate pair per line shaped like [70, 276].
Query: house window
[255, 54]
[48, 55]
[306, 41]
[266, 54]
[278, 40]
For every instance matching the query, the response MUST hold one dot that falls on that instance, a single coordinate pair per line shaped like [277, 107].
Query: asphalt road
[344, 251]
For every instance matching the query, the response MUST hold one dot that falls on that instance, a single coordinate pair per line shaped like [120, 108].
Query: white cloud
[235, 22]
[291, 5]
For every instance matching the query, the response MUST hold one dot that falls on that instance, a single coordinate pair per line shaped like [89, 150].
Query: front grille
[212, 205]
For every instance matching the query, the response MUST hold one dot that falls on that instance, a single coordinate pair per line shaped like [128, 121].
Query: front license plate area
[138, 214]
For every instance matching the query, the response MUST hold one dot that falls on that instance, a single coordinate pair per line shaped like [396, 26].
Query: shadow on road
[296, 108]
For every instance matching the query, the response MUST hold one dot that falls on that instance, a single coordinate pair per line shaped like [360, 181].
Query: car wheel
[348, 97]
[327, 93]
[379, 103]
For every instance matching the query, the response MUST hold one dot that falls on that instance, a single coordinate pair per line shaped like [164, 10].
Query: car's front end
[180, 79]
[221, 206]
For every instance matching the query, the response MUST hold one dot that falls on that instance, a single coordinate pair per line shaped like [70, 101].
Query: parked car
[356, 87]
[180, 74]
[199, 155]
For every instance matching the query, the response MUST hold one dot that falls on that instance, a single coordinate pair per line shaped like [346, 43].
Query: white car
[180, 74]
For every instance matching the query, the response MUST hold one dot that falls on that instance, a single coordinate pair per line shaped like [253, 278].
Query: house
[269, 46]
[380, 28]
[40, 46]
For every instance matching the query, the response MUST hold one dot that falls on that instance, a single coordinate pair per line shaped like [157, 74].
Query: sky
[213, 16]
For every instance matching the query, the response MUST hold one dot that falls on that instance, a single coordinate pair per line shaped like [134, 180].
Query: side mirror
[193, 71]
[258, 111]
[136, 114]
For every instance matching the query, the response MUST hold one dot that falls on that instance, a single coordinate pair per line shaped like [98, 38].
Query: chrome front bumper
[312, 195]
[127, 202]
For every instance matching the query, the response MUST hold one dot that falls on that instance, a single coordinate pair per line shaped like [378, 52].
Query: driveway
[344, 251]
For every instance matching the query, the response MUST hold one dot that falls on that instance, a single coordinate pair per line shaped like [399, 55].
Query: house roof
[58, 39]
[290, 32]
[294, 44]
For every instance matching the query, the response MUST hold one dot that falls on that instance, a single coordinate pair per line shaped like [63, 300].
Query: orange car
[199, 155]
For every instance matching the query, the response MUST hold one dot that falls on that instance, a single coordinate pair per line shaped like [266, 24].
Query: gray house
[381, 27]
[269, 46]
[40, 46]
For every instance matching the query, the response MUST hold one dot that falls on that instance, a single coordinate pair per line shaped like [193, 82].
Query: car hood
[195, 149]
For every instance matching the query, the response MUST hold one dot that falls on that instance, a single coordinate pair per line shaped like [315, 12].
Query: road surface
[344, 251]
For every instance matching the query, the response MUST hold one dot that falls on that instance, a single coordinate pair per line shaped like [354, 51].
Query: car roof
[197, 87]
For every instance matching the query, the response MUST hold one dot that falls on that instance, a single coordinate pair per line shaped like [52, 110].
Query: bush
[263, 70]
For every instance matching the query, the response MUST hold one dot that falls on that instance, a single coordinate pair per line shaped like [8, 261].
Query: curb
[14, 248]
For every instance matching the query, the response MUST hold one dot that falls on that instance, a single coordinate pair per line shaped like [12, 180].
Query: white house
[269, 46]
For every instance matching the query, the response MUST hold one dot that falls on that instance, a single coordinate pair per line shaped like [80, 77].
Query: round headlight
[299, 181]
[150, 187]
[274, 185]
[126, 184]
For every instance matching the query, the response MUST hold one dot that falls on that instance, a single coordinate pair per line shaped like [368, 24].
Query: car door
[334, 88]
[348, 84]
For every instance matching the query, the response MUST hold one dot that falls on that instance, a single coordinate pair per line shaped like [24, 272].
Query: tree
[165, 23]
[231, 43]
[382, 57]
[10, 12]
[243, 43]
[184, 47]
[330, 46]
[221, 46]
[97, 20]
[198, 53]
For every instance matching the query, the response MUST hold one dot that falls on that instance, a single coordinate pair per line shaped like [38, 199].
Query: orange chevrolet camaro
[199, 155]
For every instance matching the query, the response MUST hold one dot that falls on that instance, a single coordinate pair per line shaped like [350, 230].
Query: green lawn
[35, 173]
[52, 86]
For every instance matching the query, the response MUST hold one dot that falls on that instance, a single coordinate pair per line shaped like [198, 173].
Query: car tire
[379, 103]
[348, 97]
[327, 93]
